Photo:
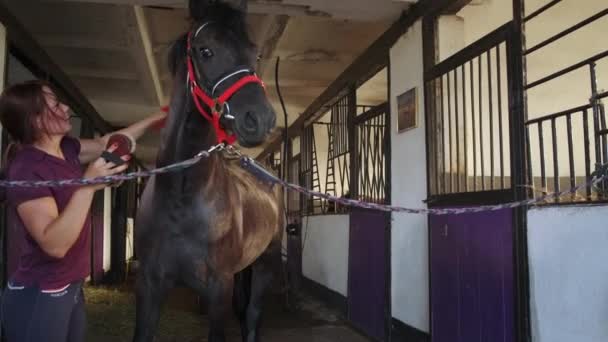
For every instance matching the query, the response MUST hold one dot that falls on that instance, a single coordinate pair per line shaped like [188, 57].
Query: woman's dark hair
[20, 106]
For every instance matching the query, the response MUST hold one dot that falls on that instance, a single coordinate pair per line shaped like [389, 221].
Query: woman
[44, 299]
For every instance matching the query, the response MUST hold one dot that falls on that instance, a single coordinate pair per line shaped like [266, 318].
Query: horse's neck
[186, 138]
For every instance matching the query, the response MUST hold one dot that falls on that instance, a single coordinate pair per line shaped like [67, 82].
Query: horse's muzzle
[252, 129]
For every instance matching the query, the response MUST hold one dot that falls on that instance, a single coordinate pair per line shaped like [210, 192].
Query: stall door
[471, 255]
[369, 246]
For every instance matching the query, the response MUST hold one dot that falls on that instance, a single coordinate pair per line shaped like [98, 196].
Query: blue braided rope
[105, 179]
[261, 173]
[253, 167]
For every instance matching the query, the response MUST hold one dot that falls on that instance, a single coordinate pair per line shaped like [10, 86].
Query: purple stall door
[472, 295]
[367, 272]
[97, 235]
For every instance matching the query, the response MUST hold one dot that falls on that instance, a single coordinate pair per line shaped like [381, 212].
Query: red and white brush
[125, 146]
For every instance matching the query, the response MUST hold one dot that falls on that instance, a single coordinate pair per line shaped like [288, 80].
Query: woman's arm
[56, 232]
[91, 149]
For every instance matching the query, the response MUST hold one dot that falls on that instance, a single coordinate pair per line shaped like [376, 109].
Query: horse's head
[221, 71]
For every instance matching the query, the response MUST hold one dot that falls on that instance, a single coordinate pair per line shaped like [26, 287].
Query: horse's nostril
[251, 123]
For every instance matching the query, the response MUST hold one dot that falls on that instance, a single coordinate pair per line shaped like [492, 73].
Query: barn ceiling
[115, 50]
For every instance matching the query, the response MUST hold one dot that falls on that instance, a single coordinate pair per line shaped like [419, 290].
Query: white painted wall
[325, 251]
[568, 273]
[409, 258]
[129, 240]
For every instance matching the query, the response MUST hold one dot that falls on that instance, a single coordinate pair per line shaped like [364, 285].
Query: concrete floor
[111, 313]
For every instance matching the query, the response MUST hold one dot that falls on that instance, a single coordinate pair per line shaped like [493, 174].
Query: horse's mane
[223, 15]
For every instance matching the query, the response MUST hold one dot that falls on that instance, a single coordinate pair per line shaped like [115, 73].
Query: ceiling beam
[255, 7]
[101, 73]
[138, 40]
[144, 29]
[123, 113]
[80, 42]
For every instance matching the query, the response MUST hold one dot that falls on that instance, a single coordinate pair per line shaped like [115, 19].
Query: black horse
[213, 227]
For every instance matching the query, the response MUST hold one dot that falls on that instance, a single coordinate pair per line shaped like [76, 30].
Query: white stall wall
[568, 273]
[409, 250]
[129, 240]
[325, 251]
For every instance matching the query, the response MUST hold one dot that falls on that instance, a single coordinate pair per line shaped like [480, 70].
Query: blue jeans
[30, 314]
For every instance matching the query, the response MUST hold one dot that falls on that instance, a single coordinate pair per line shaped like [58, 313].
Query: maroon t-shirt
[36, 267]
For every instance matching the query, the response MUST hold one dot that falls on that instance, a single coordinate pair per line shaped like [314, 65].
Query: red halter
[217, 105]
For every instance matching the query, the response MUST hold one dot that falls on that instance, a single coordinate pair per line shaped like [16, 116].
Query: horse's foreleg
[240, 297]
[150, 294]
[265, 269]
[219, 298]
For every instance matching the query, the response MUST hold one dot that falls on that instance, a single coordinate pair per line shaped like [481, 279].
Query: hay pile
[111, 317]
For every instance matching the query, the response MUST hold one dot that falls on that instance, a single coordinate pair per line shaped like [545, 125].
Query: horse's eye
[206, 52]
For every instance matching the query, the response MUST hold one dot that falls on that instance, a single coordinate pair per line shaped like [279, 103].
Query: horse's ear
[199, 7]
[240, 5]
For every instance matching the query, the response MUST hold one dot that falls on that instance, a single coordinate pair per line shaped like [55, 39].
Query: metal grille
[337, 178]
[467, 117]
[565, 146]
[371, 146]
[294, 199]
[310, 171]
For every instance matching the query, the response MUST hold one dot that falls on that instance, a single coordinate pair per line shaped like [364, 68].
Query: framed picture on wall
[407, 111]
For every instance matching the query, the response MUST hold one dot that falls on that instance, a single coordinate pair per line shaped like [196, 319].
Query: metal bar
[466, 139]
[435, 136]
[376, 111]
[529, 161]
[603, 137]
[587, 150]
[443, 143]
[457, 129]
[601, 95]
[596, 121]
[491, 114]
[567, 31]
[571, 154]
[542, 10]
[483, 181]
[450, 133]
[433, 139]
[500, 128]
[555, 159]
[517, 148]
[471, 65]
[352, 142]
[430, 142]
[567, 70]
[558, 114]
[541, 145]
[343, 113]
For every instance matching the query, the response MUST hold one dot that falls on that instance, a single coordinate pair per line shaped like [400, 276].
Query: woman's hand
[100, 167]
